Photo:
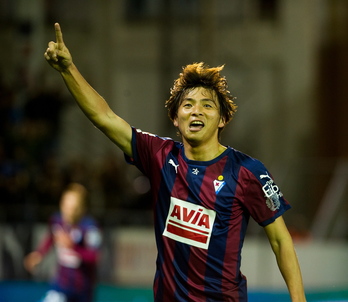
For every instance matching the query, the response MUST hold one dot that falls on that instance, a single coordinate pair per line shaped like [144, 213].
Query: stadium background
[287, 64]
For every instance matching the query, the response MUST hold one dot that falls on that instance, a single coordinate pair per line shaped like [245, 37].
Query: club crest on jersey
[272, 193]
[189, 223]
[218, 184]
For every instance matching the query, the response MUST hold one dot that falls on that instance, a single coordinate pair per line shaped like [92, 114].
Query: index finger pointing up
[59, 35]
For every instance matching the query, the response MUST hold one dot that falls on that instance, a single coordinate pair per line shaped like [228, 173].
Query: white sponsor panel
[189, 223]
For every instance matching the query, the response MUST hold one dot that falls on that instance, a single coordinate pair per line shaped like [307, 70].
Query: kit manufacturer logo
[171, 162]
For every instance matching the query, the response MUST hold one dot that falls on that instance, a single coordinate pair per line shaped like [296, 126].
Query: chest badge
[218, 183]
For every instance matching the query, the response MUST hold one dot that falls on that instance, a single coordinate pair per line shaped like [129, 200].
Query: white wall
[324, 265]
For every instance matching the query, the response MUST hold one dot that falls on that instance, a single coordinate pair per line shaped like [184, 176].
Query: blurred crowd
[32, 174]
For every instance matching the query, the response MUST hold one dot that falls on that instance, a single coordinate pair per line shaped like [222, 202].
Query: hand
[63, 239]
[31, 261]
[57, 54]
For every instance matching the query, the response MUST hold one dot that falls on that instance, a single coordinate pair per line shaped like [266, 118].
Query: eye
[187, 105]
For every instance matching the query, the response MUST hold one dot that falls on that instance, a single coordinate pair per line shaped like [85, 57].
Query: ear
[221, 123]
[175, 122]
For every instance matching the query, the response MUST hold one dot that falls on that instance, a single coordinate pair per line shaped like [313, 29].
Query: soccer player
[203, 192]
[77, 240]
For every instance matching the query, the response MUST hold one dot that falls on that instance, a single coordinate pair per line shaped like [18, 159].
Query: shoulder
[88, 222]
[153, 142]
[143, 135]
[246, 161]
[248, 168]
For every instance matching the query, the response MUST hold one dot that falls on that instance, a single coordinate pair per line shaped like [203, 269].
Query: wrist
[68, 70]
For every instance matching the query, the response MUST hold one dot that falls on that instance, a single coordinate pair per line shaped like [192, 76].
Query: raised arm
[91, 103]
[284, 251]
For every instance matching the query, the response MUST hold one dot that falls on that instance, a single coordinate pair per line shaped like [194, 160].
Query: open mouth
[196, 125]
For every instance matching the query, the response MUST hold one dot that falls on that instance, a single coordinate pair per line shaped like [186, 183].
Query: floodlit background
[286, 61]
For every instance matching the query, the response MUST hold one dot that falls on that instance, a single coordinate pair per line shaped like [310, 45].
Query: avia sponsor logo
[189, 223]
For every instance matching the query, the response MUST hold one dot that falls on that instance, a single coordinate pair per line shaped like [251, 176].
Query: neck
[203, 153]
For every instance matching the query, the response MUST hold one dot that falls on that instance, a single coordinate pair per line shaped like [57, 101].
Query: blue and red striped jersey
[201, 213]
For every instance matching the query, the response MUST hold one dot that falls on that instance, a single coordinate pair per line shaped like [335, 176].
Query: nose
[197, 110]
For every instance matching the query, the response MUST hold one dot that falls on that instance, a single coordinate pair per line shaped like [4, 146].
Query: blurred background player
[76, 238]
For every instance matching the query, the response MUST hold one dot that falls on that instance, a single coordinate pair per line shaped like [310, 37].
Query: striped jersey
[201, 213]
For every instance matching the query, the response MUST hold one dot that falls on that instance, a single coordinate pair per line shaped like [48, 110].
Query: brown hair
[201, 75]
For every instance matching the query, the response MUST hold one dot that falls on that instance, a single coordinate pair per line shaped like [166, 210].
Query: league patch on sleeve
[189, 223]
[272, 193]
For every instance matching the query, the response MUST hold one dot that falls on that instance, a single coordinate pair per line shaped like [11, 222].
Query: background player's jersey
[76, 271]
[201, 212]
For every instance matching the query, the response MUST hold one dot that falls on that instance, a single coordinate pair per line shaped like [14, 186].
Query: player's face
[198, 117]
[72, 207]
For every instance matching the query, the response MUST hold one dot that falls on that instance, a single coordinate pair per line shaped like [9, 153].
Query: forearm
[91, 103]
[290, 270]
[45, 245]
[97, 110]
[283, 248]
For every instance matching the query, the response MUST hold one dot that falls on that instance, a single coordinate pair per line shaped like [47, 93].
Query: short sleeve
[261, 195]
[147, 149]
